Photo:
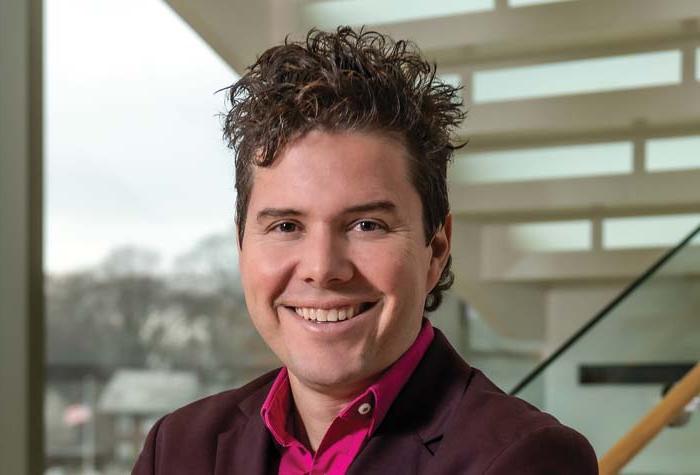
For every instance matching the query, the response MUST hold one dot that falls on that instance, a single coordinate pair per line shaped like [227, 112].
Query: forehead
[324, 170]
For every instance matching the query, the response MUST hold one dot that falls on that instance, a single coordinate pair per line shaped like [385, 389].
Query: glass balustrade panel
[609, 378]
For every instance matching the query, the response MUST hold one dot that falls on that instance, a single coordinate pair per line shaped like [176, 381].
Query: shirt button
[364, 408]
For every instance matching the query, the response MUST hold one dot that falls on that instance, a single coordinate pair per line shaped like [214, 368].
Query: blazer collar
[433, 391]
[420, 414]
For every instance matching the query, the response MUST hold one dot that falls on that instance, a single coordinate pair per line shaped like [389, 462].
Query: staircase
[582, 170]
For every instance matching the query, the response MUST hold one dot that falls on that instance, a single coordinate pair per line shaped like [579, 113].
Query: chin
[329, 376]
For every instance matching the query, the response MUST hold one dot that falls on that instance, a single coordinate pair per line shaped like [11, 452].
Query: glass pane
[455, 80]
[610, 377]
[452, 79]
[647, 231]
[545, 163]
[328, 14]
[551, 236]
[505, 360]
[144, 308]
[676, 153]
[576, 77]
[133, 145]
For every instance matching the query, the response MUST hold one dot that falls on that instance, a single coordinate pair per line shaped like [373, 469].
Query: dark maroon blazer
[448, 419]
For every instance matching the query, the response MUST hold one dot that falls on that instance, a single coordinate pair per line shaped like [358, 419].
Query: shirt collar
[381, 394]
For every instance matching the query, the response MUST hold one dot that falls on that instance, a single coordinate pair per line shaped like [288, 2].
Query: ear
[440, 247]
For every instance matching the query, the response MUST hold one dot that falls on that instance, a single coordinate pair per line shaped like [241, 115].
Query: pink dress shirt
[351, 428]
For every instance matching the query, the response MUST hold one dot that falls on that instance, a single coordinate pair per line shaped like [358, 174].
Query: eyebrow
[269, 213]
[382, 205]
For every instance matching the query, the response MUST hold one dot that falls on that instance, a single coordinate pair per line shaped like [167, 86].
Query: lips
[331, 315]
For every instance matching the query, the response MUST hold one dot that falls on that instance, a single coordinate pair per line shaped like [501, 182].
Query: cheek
[263, 274]
[401, 267]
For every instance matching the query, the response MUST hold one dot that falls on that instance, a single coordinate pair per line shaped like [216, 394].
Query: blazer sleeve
[146, 464]
[549, 450]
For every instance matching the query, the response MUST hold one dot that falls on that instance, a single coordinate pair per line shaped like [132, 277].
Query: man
[343, 223]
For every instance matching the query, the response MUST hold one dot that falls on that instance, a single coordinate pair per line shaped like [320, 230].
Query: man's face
[334, 262]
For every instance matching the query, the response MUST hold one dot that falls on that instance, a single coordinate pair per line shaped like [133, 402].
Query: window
[569, 161]
[328, 14]
[144, 311]
[647, 231]
[550, 236]
[676, 153]
[579, 76]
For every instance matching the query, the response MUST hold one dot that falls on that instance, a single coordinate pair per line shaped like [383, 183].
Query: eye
[285, 227]
[367, 226]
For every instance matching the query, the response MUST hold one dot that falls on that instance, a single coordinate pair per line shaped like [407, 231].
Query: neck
[316, 409]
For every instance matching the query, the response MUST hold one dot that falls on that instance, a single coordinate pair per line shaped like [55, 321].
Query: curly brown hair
[340, 81]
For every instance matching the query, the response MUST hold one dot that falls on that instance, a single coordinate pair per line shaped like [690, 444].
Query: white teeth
[332, 315]
[327, 315]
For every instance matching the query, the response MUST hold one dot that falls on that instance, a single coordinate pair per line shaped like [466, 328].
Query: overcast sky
[133, 146]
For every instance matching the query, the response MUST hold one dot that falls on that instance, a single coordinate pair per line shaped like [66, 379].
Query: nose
[324, 262]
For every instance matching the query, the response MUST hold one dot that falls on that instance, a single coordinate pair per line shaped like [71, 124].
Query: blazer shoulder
[216, 412]
[498, 431]
[505, 414]
[217, 407]
[549, 449]
[190, 433]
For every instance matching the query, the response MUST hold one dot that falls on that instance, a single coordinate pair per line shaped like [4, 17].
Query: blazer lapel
[411, 433]
[247, 446]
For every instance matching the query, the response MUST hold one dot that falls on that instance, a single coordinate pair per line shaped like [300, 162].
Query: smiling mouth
[332, 315]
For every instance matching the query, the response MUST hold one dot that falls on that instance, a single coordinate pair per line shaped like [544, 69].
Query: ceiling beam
[583, 266]
[474, 38]
[238, 30]
[616, 195]
[649, 111]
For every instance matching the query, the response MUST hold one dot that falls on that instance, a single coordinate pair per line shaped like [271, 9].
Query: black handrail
[603, 313]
